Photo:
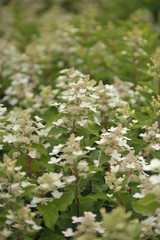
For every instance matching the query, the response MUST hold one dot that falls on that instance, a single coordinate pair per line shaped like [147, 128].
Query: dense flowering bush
[79, 120]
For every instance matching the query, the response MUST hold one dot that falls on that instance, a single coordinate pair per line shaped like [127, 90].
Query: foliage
[79, 120]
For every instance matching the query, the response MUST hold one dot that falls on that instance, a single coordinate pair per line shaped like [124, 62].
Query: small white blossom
[68, 233]
[90, 148]
[32, 153]
[9, 138]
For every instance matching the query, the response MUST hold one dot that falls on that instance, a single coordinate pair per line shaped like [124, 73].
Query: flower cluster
[114, 139]
[87, 227]
[152, 136]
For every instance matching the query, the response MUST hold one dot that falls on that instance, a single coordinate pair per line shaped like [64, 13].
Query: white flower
[97, 121]
[100, 230]
[115, 168]
[142, 134]
[54, 160]
[96, 163]
[55, 104]
[154, 165]
[83, 122]
[124, 131]
[16, 127]
[116, 156]
[123, 52]
[156, 146]
[83, 166]
[36, 227]
[39, 125]
[38, 119]
[9, 138]
[25, 184]
[130, 165]
[90, 148]
[112, 129]
[56, 149]
[32, 153]
[79, 138]
[77, 219]
[34, 202]
[89, 215]
[51, 181]
[94, 96]
[101, 141]
[158, 135]
[68, 233]
[70, 179]
[57, 194]
[150, 221]
[87, 105]
[62, 108]
[134, 121]
[1, 146]
[155, 179]
[6, 233]
[121, 141]
[109, 195]
[78, 153]
[58, 123]
[138, 195]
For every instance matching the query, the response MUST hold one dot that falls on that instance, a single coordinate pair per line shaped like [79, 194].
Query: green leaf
[146, 205]
[57, 130]
[49, 235]
[65, 200]
[86, 203]
[50, 214]
[64, 222]
[150, 86]
[40, 148]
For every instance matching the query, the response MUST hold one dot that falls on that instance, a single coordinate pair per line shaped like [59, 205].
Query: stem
[29, 158]
[29, 164]
[104, 121]
[134, 78]
[121, 203]
[10, 192]
[90, 181]
[76, 188]
[73, 127]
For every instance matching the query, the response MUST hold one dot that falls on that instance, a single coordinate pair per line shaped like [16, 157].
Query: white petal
[68, 233]
[57, 194]
[32, 153]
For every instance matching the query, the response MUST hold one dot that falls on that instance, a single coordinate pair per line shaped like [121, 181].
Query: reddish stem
[121, 203]
[10, 192]
[73, 127]
[29, 158]
[104, 121]
[29, 164]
